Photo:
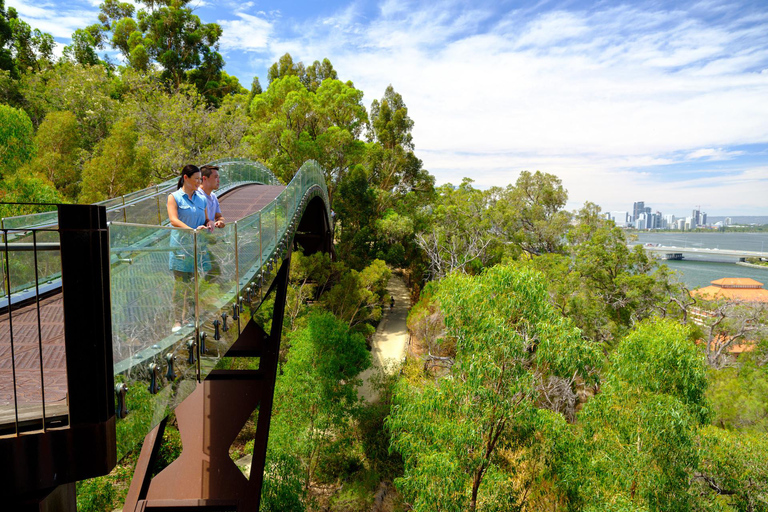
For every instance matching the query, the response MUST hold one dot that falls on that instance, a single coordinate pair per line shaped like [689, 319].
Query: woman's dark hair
[187, 171]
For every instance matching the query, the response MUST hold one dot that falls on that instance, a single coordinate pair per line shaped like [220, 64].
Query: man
[210, 177]
[209, 182]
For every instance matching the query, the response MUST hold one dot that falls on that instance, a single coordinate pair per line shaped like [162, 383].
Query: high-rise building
[637, 209]
[695, 218]
[621, 219]
[703, 218]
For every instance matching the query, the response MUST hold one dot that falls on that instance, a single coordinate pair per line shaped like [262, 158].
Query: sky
[664, 101]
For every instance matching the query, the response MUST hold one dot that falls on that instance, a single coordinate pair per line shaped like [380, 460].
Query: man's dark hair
[206, 170]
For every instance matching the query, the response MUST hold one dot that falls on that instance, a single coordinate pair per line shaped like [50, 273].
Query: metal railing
[146, 206]
[155, 365]
[171, 328]
[31, 335]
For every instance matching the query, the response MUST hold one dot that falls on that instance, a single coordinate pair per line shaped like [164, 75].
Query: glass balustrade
[176, 293]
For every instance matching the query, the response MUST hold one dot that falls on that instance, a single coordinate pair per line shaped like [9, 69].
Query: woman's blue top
[192, 213]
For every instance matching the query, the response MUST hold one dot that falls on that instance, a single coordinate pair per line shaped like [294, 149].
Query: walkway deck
[235, 205]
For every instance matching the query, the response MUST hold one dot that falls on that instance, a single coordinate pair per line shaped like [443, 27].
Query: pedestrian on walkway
[186, 210]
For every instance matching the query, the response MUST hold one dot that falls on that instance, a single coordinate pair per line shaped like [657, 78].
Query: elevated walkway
[236, 204]
[88, 348]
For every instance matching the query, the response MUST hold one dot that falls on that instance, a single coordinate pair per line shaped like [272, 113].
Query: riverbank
[751, 265]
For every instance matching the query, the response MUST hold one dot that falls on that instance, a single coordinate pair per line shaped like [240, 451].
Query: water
[698, 270]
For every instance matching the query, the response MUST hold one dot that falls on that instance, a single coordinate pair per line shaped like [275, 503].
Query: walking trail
[388, 346]
[390, 339]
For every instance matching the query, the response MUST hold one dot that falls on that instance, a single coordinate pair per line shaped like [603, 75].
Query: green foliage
[170, 449]
[311, 77]
[390, 123]
[177, 128]
[283, 488]
[358, 296]
[734, 469]
[601, 283]
[132, 429]
[16, 139]
[95, 495]
[739, 397]
[459, 234]
[315, 397]
[88, 92]
[26, 188]
[82, 50]
[537, 218]
[639, 434]
[6, 38]
[659, 358]
[118, 165]
[58, 152]
[167, 32]
[292, 124]
[32, 50]
[452, 432]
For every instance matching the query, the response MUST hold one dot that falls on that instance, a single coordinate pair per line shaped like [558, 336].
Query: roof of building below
[735, 289]
[737, 282]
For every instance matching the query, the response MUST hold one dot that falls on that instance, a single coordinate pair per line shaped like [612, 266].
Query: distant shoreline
[752, 265]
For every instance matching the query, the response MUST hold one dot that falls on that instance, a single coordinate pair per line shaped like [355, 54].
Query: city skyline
[650, 99]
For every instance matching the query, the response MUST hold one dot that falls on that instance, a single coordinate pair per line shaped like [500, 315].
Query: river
[698, 270]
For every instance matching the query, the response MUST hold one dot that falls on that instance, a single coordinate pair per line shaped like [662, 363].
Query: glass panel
[24, 334]
[148, 210]
[46, 219]
[217, 290]
[153, 318]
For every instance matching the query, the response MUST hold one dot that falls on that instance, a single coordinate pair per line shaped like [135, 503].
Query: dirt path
[389, 342]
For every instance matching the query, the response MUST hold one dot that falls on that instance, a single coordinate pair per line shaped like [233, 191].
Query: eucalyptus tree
[168, 33]
[16, 139]
[455, 432]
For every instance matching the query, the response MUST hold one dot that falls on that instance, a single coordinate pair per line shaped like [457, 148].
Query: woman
[186, 209]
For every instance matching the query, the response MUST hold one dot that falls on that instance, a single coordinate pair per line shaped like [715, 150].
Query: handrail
[143, 207]
[227, 270]
[156, 366]
[231, 172]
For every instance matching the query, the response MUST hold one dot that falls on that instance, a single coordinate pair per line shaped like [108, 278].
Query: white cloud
[713, 154]
[59, 21]
[552, 29]
[249, 33]
[592, 97]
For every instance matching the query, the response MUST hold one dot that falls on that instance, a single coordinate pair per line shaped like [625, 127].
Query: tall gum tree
[452, 432]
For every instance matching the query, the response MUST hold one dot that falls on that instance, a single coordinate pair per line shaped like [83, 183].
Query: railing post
[197, 301]
[157, 198]
[237, 275]
[7, 279]
[261, 259]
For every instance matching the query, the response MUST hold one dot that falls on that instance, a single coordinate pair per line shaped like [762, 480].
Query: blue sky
[662, 102]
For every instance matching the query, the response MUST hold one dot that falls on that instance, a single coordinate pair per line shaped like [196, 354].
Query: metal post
[261, 260]
[237, 277]
[10, 330]
[157, 197]
[197, 303]
[125, 216]
[39, 327]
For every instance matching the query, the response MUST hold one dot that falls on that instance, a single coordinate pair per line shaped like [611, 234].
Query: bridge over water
[90, 365]
[737, 253]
